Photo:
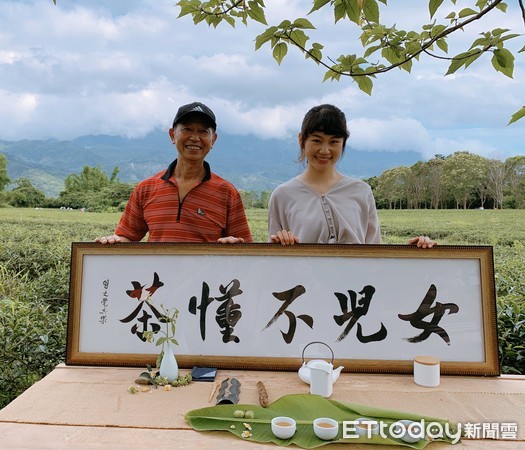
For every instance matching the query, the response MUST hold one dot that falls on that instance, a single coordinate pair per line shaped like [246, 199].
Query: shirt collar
[171, 170]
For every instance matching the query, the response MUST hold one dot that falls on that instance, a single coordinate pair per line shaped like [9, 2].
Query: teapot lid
[319, 342]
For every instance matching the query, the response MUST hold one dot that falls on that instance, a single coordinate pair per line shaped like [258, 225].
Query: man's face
[194, 138]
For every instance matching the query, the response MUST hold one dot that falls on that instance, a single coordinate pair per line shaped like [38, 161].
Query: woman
[322, 205]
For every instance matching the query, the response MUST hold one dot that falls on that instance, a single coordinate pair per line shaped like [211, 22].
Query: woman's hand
[284, 238]
[422, 242]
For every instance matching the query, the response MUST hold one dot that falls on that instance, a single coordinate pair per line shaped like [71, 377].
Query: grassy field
[452, 227]
[35, 248]
[484, 227]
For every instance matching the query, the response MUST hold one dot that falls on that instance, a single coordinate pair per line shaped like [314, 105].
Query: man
[187, 202]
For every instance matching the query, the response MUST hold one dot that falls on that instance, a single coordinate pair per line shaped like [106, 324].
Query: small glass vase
[169, 368]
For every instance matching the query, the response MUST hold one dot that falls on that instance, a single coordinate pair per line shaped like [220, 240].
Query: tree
[435, 186]
[90, 179]
[462, 174]
[516, 179]
[25, 195]
[496, 174]
[384, 47]
[416, 185]
[391, 186]
[93, 189]
[4, 178]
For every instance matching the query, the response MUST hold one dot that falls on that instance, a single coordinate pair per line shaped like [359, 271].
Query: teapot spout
[336, 373]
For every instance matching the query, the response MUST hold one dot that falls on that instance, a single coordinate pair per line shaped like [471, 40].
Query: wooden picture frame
[258, 306]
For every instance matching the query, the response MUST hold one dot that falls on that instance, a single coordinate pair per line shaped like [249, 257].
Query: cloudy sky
[123, 67]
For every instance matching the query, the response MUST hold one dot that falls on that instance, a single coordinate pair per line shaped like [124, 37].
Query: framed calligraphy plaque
[257, 306]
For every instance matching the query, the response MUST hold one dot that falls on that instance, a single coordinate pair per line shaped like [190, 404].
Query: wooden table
[89, 407]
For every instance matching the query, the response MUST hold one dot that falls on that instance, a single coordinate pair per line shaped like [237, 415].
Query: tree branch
[423, 48]
[520, 2]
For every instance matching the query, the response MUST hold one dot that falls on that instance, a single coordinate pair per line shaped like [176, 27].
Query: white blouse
[344, 215]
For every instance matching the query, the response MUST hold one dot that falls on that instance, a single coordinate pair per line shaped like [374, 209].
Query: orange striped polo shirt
[212, 209]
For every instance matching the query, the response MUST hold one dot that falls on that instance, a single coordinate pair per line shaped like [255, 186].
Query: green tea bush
[32, 333]
[511, 334]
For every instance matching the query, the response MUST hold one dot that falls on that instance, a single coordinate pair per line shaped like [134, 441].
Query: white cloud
[393, 134]
[17, 112]
[125, 66]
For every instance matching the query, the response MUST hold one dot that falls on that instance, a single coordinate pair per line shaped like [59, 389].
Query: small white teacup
[365, 426]
[408, 431]
[283, 427]
[325, 428]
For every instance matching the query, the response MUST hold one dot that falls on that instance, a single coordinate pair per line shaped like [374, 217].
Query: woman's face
[321, 151]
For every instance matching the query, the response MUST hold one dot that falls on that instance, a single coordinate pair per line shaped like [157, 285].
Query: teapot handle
[318, 342]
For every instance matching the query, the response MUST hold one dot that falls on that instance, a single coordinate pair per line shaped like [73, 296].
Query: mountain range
[249, 162]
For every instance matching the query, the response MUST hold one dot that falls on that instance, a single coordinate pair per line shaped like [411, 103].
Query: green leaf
[230, 20]
[480, 42]
[371, 50]
[502, 7]
[371, 11]
[365, 84]
[465, 12]
[299, 38]
[279, 52]
[499, 31]
[468, 61]
[407, 65]
[390, 55]
[442, 44]
[509, 36]
[256, 13]
[433, 6]
[264, 37]
[353, 11]
[198, 17]
[318, 4]
[303, 23]
[456, 63]
[315, 54]
[185, 9]
[339, 12]
[284, 24]
[503, 61]
[304, 408]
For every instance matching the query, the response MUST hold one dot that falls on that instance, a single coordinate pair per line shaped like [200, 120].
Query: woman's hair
[326, 118]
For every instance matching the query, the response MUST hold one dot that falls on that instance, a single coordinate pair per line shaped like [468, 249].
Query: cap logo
[198, 109]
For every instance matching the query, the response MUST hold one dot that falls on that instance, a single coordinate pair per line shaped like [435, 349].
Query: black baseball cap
[195, 107]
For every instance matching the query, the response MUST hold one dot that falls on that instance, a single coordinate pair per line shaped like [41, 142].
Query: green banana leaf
[304, 408]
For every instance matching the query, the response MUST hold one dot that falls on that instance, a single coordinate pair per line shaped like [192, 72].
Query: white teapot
[307, 368]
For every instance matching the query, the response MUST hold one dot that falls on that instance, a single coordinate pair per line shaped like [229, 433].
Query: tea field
[34, 275]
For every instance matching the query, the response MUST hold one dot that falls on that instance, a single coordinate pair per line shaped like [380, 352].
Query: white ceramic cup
[365, 426]
[283, 427]
[426, 371]
[325, 428]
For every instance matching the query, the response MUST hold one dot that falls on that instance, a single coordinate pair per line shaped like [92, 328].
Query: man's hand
[230, 240]
[113, 239]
